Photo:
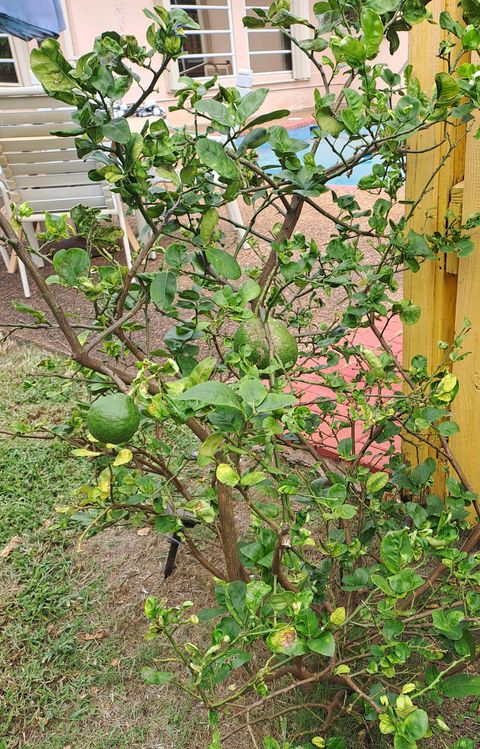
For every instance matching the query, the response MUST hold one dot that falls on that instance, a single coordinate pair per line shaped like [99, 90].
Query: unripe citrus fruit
[113, 418]
[252, 333]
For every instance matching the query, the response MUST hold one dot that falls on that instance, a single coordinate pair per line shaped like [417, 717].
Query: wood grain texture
[433, 288]
[466, 444]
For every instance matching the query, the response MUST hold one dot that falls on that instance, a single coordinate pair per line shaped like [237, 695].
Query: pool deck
[324, 439]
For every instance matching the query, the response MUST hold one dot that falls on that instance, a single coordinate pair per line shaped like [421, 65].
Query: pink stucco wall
[88, 18]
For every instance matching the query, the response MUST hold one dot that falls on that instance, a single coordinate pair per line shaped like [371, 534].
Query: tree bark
[228, 533]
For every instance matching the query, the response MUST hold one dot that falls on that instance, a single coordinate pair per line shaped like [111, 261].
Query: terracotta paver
[312, 224]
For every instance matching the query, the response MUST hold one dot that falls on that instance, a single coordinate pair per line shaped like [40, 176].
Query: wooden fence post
[437, 171]
[466, 407]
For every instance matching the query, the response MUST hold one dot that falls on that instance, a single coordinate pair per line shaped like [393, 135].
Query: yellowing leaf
[445, 387]
[82, 452]
[124, 456]
[318, 741]
[377, 481]
[337, 617]
[342, 669]
[227, 475]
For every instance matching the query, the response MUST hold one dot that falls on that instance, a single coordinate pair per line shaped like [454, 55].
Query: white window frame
[21, 60]
[174, 68]
[301, 65]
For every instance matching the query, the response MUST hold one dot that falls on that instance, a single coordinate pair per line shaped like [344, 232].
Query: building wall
[89, 18]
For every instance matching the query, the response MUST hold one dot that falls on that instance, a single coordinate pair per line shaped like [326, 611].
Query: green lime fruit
[113, 418]
[252, 333]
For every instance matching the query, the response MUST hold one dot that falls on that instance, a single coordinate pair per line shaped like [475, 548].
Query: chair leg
[123, 225]
[144, 231]
[233, 210]
[24, 279]
[5, 255]
[32, 238]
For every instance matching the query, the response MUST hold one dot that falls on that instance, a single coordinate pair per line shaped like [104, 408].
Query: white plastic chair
[43, 169]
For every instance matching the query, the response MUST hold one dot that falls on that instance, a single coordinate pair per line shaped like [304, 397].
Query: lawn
[71, 620]
[71, 648]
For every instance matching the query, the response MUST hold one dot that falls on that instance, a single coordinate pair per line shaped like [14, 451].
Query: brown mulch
[311, 223]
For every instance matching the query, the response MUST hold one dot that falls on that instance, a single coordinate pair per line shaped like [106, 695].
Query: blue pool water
[324, 156]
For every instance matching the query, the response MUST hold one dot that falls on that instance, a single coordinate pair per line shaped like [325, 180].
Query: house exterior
[251, 57]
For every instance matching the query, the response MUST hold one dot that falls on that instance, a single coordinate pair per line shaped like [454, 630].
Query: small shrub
[359, 579]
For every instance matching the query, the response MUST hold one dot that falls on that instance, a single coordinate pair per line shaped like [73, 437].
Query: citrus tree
[344, 573]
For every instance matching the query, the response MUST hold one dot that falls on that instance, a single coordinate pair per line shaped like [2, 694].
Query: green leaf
[250, 103]
[461, 685]
[327, 122]
[82, 452]
[202, 371]
[72, 264]
[226, 474]
[471, 38]
[396, 550]
[51, 68]
[279, 114]
[377, 481]
[250, 290]
[349, 50]
[253, 478]
[447, 428]
[216, 111]
[223, 263]
[157, 678]
[25, 309]
[236, 600]
[324, 645]
[250, 22]
[212, 394]
[400, 742]
[274, 401]
[208, 224]
[383, 6]
[252, 391]
[208, 448]
[447, 89]
[404, 582]
[449, 623]
[449, 24]
[167, 523]
[415, 725]
[464, 744]
[409, 312]
[373, 31]
[163, 289]
[338, 616]
[471, 11]
[117, 130]
[212, 154]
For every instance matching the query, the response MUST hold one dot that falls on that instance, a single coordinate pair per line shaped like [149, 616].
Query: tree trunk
[228, 533]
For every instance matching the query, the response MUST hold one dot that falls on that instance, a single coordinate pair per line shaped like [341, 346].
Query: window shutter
[300, 62]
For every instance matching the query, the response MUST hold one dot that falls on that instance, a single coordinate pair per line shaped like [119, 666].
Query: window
[14, 62]
[223, 46]
[8, 71]
[270, 50]
[209, 50]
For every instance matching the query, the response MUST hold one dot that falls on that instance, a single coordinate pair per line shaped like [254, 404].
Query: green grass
[44, 662]
[59, 690]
